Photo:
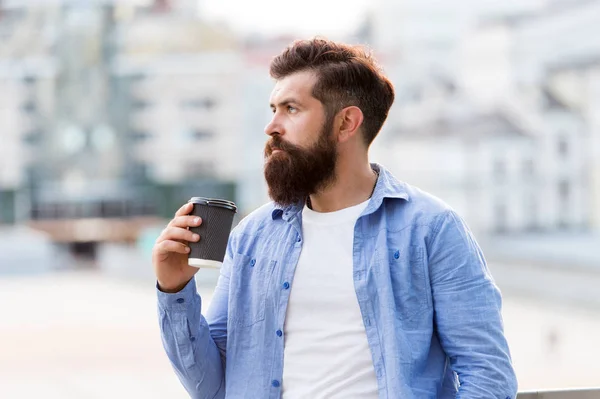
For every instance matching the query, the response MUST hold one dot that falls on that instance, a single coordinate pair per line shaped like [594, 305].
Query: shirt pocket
[250, 281]
[409, 282]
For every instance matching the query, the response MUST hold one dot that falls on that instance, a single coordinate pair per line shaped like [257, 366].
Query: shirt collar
[286, 212]
[387, 187]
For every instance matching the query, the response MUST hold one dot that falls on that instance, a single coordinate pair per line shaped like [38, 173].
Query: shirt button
[279, 333]
[286, 285]
[299, 239]
[396, 254]
[192, 339]
[275, 383]
[253, 262]
[180, 300]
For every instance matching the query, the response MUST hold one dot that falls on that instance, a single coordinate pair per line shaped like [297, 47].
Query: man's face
[301, 155]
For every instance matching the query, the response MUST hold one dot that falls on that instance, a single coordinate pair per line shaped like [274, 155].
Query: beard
[294, 173]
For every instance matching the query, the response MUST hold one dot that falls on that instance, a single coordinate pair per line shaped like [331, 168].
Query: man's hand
[170, 252]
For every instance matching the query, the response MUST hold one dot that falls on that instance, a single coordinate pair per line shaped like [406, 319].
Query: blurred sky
[304, 18]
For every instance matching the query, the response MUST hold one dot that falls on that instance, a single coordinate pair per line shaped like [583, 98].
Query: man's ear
[350, 120]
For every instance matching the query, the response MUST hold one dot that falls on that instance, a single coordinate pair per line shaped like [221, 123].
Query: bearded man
[350, 283]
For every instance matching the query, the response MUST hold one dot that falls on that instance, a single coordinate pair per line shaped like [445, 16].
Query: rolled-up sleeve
[467, 311]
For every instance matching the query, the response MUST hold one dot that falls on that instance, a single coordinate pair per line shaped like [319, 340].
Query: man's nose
[273, 128]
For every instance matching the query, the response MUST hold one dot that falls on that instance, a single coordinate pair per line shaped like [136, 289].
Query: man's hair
[346, 75]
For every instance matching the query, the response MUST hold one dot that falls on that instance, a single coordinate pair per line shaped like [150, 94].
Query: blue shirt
[431, 310]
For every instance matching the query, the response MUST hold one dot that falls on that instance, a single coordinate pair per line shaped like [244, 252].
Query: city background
[113, 113]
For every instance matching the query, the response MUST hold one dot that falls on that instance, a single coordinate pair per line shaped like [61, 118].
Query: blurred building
[179, 93]
[496, 69]
[124, 108]
[545, 64]
[418, 39]
[59, 52]
[28, 73]
[115, 108]
[481, 164]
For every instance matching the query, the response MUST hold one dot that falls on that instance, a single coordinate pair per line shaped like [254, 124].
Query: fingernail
[187, 249]
[197, 220]
[195, 237]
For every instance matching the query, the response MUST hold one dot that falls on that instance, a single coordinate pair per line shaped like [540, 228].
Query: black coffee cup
[217, 219]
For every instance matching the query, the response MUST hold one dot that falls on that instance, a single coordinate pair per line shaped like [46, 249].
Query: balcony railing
[587, 393]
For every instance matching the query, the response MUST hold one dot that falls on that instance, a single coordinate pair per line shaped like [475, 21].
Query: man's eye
[291, 109]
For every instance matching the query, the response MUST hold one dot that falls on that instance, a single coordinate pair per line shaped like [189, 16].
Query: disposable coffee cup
[217, 219]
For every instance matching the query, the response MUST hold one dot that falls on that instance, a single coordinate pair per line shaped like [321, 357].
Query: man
[350, 284]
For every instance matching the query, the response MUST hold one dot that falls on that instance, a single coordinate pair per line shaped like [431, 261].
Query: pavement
[80, 335]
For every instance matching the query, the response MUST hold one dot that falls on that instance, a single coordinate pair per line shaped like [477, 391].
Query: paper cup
[217, 219]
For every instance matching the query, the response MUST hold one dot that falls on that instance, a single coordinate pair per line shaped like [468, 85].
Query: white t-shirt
[326, 351]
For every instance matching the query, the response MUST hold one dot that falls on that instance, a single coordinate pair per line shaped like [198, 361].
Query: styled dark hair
[346, 75]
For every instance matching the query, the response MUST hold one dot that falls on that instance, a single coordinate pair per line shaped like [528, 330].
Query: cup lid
[214, 202]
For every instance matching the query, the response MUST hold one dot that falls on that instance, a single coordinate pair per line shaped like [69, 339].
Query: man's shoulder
[420, 207]
[425, 201]
[411, 198]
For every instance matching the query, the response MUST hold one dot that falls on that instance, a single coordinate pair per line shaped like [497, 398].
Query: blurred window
[138, 135]
[138, 171]
[140, 104]
[531, 210]
[199, 103]
[200, 169]
[500, 215]
[564, 193]
[137, 77]
[29, 107]
[564, 189]
[563, 147]
[29, 80]
[528, 167]
[202, 134]
[110, 209]
[191, 134]
[32, 138]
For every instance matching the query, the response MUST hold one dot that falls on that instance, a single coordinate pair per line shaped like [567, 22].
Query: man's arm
[196, 347]
[467, 312]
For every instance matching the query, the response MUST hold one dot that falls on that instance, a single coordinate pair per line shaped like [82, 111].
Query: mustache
[276, 143]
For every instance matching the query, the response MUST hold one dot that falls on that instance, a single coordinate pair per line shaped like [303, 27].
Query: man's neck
[352, 187]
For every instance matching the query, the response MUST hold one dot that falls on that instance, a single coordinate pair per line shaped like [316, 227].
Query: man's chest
[323, 284]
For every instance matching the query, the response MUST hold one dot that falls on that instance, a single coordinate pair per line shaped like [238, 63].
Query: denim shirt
[430, 307]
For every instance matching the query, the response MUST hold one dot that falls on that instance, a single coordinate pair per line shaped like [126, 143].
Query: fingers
[177, 234]
[185, 221]
[172, 246]
[184, 210]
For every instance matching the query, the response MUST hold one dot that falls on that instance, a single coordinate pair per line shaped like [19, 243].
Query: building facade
[523, 62]
[115, 108]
